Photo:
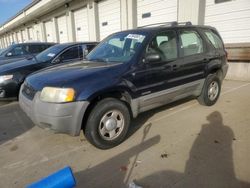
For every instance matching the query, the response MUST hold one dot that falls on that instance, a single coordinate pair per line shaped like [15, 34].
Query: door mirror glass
[152, 58]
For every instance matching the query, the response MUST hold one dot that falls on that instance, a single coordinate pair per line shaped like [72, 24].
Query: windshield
[49, 53]
[119, 47]
[3, 51]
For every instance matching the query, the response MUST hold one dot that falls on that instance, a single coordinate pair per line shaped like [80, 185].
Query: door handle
[174, 67]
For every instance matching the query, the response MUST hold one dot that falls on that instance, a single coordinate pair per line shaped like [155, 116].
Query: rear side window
[214, 39]
[34, 49]
[191, 43]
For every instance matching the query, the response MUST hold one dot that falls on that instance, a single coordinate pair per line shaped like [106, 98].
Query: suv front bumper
[61, 118]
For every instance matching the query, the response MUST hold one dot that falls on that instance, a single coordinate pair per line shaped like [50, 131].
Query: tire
[107, 124]
[209, 96]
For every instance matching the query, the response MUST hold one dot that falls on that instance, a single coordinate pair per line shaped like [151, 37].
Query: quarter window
[165, 44]
[191, 43]
[214, 39]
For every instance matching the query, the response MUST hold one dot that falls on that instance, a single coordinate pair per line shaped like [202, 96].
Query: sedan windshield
[49, 53]
[119, 47]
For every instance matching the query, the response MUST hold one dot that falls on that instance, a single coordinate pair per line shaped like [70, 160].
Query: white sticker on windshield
[135, 36]
[51, 55]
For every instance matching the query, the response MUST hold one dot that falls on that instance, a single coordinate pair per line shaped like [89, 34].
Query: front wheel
[108, 123]
[211, 91]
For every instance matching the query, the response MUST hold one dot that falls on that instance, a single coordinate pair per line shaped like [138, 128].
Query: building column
[191, 10]
[27, 33]
[55, 30]
[128, 14]
[71, 26]
[93, 21]
[15, 37]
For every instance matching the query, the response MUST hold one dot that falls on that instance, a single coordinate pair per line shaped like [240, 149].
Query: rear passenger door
[192, 47]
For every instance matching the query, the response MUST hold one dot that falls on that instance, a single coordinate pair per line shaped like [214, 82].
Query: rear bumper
[60, 118]
[224, 70]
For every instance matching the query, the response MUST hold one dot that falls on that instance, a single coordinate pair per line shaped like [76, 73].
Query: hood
[10, 67]
[4, 60]
[69, 74]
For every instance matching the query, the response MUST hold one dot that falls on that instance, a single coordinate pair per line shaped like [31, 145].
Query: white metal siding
[109, 17]
[62, 29]
[232, 19]
[49, 31]
[31, 33]
[156, 11]
[81, 25]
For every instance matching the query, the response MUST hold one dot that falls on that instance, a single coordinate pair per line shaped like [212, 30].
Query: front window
[119, 47]
[49, 53]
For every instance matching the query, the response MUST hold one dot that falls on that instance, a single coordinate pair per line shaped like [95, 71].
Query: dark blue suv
[127, 73]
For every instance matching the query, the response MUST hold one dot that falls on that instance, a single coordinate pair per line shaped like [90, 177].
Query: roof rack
[167, 24]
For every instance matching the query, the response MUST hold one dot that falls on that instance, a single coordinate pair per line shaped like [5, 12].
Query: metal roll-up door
[156, 11]
[25, 37]
[31, 33]
[19, 37]
[49, 31]
[232, 19]
[109, 12]
[62, 29]
[81, 24]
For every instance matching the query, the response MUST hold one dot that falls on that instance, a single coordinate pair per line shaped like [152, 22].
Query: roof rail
[167, 24]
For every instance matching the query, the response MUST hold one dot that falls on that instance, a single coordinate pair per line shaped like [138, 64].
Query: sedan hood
[10, 67]
[69, 74]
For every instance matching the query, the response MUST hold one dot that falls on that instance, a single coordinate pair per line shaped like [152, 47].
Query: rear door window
[214, 39]
[191, 43]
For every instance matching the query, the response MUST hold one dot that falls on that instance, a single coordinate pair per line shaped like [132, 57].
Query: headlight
[5, 77]
[57, 95]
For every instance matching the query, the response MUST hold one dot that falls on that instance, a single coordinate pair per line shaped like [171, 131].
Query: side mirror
[9, 54]
[57, 60]
[152, 58]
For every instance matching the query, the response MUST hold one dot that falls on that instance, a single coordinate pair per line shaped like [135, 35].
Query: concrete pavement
[179, 145]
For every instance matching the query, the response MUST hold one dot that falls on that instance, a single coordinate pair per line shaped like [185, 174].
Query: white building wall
[232, 19]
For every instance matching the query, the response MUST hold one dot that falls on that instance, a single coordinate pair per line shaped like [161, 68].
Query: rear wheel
[211, 91]
[108, 123]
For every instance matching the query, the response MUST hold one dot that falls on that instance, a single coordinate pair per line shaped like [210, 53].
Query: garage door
[25, 37]
[31, 33]
[19, 37]
[156, 11]
[109, 17]
[62, 29]
[232, 19]
[81, 24]
[37, 32]
[49, 31]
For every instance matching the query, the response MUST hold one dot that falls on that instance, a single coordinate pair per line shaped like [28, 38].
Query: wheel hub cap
[110, 124]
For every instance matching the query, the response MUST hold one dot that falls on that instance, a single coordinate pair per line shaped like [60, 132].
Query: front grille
[28, 91]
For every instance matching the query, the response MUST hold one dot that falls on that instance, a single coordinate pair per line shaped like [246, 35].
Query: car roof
[149, 29]
[74, 43]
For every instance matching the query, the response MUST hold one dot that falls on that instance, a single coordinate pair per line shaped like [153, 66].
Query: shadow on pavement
[112, 172]
[210, 163]
[13, 122]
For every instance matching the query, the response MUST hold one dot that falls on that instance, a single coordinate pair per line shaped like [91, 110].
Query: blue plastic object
[61, 179]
